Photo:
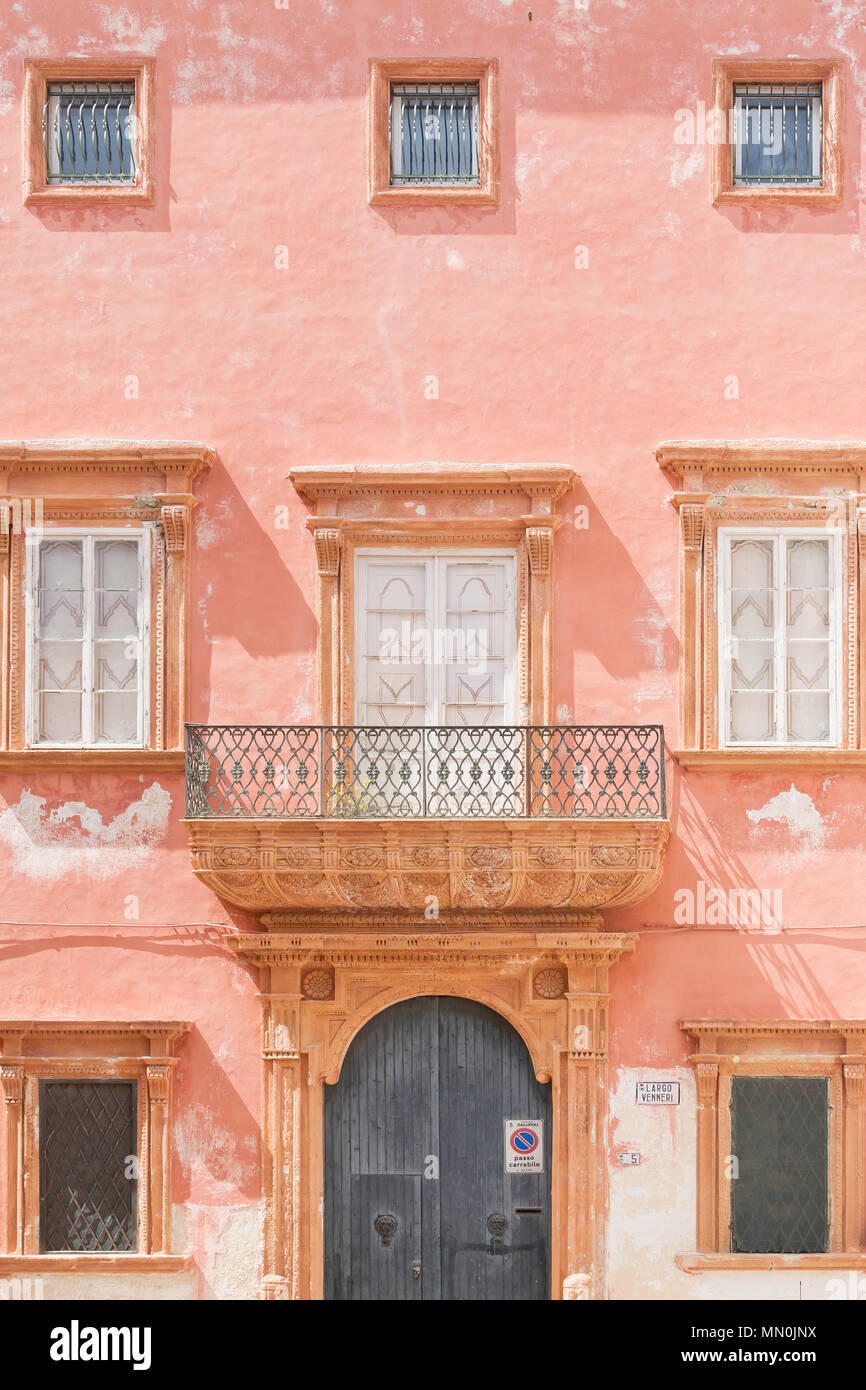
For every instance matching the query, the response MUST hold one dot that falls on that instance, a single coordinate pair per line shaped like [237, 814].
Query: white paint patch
[122, 25]
[454, 260]
[795, 810]
[685, 166]
[48, 845]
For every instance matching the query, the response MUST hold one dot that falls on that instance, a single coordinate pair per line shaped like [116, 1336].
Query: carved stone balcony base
[426, 865]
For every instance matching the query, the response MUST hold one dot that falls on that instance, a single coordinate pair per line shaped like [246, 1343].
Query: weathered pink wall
[261, 138]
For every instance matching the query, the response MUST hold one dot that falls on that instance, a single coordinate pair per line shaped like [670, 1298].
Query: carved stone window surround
[37, 74]
[369, 506]
[484, 71]
[140, 1051]
[834, 1048]
[830, 73]
[97, 484]
[774, 483]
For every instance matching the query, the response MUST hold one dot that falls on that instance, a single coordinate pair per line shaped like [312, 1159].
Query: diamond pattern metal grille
[779, 1137]
[87, 1133]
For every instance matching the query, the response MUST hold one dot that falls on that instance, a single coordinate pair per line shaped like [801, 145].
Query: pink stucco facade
[263, 308]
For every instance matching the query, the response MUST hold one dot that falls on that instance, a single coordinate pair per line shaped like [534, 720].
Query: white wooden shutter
[780, 624]
[393, 615]
[59, 641]
[479, 625]
[88, 647]
[436, 639]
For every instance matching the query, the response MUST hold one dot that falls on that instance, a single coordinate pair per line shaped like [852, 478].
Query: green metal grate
[779, 1184]
[87, 1133]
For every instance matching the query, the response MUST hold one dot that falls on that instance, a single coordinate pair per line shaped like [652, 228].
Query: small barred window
[778, 133]
[435, 133]
[89, 132]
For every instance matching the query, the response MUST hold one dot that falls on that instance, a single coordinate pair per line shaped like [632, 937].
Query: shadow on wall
[608, 615]
[217, 1141]
[250, 596]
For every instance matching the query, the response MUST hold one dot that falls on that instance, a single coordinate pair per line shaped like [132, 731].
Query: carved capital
[707, 1074]
[282, 1025]
[5, 526]
[158, 1077]
[328, 543]
[854, 1075]
[692, 526]
[539, 542]
[174, 524]
[12, 1081]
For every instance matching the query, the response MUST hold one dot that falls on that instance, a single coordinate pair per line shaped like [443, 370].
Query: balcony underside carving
[457, 865]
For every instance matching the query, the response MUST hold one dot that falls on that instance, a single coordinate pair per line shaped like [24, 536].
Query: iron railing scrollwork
[608, 772]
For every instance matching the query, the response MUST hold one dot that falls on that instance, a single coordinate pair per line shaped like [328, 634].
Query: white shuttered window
[436, 638]
[780, 616]
[88, 606]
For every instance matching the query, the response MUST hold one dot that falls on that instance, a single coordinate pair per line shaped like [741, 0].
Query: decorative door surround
[547, 976]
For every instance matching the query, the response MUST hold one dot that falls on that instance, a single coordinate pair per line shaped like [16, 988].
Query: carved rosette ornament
[318, 983]
[551, 983]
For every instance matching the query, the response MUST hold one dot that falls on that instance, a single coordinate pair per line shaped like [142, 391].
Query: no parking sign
[524, 1146]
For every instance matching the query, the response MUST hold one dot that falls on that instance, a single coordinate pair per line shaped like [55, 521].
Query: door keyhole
[416, 1269]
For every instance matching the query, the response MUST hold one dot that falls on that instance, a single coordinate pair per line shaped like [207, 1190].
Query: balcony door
[437, 1160]
[436, 638]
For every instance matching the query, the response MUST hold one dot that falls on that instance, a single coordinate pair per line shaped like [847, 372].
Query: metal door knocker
[386, 1227]
[497, 1225]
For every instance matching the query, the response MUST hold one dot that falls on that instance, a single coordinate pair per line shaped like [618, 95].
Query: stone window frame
[142, 1052]
[368, 508]
[830, 73]
[100, 485]
[726, 1048]
[772, 484]
[38, 73]
[484, 71]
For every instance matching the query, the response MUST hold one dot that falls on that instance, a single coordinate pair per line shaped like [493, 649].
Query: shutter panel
[750, 644]
[478, 624]
[59, 641]
[780, 1141]
[808, 640]
[394, 625]
[116, 658]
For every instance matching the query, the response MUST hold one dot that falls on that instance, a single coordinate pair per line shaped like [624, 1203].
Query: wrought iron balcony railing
[608, 772]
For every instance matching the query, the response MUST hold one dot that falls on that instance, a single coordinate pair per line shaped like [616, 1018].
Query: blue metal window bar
[434, 133]
[777, 134]
[89, 132]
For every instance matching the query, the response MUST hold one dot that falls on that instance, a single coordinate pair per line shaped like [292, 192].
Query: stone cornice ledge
[78, 760]
[134, 1262]
[744, 457]
[167, 456]
[770, 759]
[478, 479]
[700, 1262]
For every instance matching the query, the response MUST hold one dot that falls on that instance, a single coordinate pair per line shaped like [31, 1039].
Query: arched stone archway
[319, 988]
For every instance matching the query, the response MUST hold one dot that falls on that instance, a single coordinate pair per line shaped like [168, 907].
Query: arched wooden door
[418, 1202]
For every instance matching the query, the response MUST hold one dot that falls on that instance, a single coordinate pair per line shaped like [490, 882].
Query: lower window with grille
[780, 1164]
[88, 1143]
